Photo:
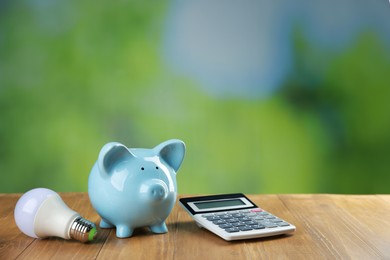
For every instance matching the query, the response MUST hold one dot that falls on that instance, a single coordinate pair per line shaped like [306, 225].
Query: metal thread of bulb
[83, 230]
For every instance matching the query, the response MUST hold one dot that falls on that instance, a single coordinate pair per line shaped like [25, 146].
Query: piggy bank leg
[159, 228]
[123, 231]
[105, 224]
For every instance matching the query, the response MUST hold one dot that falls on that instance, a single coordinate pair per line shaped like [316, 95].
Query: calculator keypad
[245, 220]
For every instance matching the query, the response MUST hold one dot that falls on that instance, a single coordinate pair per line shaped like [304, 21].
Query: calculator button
[219, 222]
[284, 224]
[276, 220]
[246, 219]
[213, 218]
[251, 223]
[246, 228]
[207, 215]
[238, 215]
[227, 216]
[224, 226]
[270, 225]
[257, 226]
[256, 210]
[231, 230]
[266, 222]
[251, 214]
[244, 211]
[238, 224]
[233, 220]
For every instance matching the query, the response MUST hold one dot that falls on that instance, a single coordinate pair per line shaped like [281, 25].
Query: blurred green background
[269, 96]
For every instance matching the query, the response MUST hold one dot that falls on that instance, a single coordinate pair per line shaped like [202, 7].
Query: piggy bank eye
[142, 168]
[156, 167]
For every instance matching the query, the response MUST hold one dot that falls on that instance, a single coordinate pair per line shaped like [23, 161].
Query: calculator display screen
[219, 204]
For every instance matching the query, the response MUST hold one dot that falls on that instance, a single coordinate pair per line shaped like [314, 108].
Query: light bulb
[41, 213]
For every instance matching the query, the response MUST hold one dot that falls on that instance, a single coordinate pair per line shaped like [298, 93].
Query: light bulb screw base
[83, 230]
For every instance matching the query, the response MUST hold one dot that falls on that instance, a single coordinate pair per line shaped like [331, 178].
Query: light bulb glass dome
[27, 207]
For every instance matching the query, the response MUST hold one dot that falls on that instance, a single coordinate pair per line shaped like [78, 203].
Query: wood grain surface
[328, 227]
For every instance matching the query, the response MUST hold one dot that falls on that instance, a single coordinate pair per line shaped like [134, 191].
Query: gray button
[231, 230]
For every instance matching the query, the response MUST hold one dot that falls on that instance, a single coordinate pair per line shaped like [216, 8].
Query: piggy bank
[131, 188]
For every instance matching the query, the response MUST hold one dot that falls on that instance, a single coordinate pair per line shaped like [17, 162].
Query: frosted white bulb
[41, 213]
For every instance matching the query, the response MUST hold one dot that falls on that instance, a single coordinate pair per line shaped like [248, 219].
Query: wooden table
[328, 227]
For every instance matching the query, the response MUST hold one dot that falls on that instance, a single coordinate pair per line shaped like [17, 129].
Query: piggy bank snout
[155, 191]
[158, 191]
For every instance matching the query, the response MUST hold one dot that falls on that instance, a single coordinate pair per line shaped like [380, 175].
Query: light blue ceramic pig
[131, 188]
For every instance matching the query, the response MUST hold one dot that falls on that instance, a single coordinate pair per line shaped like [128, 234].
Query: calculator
[234, 217]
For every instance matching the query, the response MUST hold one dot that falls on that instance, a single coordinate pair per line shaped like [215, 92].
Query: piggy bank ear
[110, 155]
[172, 152]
